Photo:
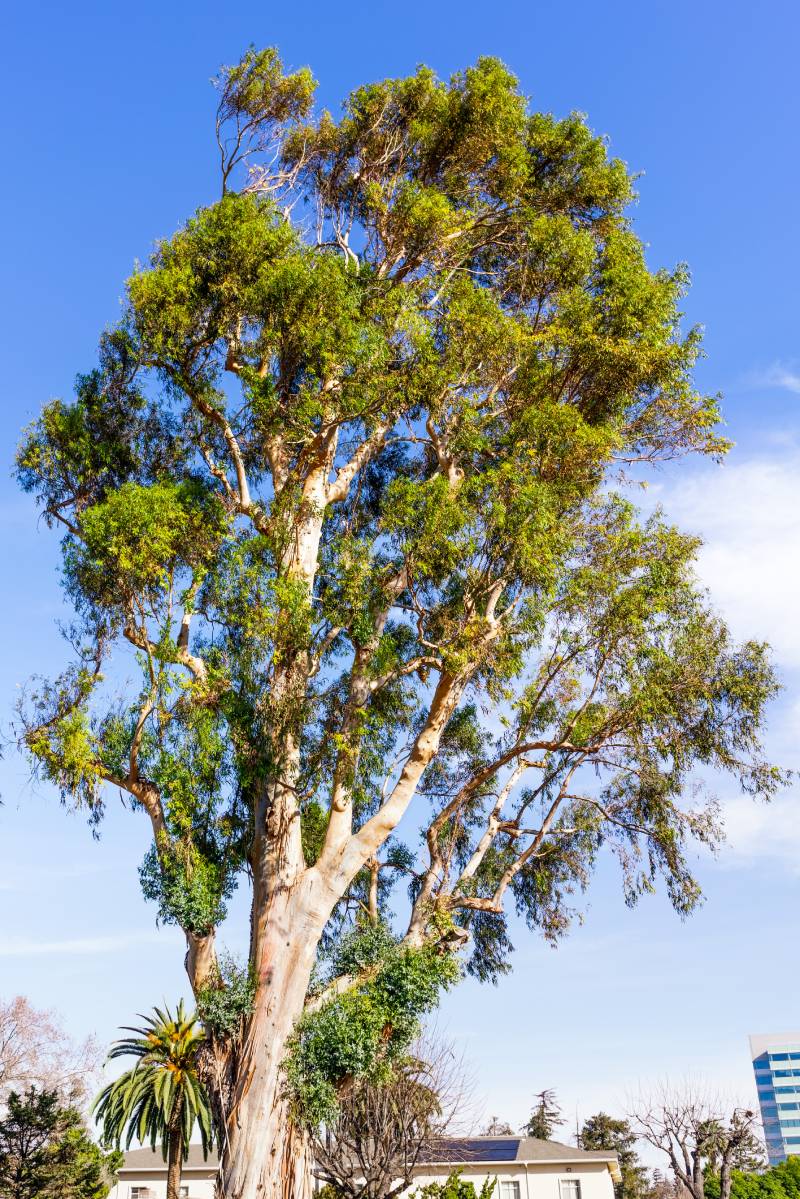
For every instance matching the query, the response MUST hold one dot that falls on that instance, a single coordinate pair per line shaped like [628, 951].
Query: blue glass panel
[492, 1149]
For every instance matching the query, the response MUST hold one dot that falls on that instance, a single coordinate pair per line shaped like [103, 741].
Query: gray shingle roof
[146, 1159]
[452, 1150]
[510, 1149]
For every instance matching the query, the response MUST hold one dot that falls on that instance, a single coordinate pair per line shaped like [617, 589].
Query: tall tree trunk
[264, 1154]
[725, 1179]
[174, 1163]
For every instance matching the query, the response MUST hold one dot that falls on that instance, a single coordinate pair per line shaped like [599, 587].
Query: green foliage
[256, 93]
[139, 537]
[225, 1002]
[46, 1151]
[76, 454]
[455, 1187]
[66, 753]
[777, 1182]
[545, 1117]
[162, 1097]
[341, 491]
[361, 1032]
[366, 946]
[61, 739]
[189, 889]
[606, 1132]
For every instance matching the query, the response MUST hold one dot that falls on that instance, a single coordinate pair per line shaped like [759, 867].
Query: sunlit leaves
[135, 541]
[162, 1096]
[355, 436]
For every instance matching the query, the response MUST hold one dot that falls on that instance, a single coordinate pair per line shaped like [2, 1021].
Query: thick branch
[339, 487]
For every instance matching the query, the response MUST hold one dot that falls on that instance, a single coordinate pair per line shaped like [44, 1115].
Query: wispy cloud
[37, 878]
[777, 374]
[757, 831]
[748, 514]
[28, 947]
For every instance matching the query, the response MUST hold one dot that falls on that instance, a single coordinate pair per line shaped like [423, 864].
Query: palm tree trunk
[174, 1163]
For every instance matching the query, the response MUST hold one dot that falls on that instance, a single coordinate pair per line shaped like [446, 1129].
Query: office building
[776, 1064]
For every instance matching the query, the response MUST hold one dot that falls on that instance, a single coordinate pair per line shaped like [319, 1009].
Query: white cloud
[778, 374]
[27, 947]
[748, 514]
[757, 830]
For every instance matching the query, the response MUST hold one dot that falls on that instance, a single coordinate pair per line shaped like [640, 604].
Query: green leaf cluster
[139, 538]
[455, 1187]
[359, 1033]
[778, 1182]
[226, 1000]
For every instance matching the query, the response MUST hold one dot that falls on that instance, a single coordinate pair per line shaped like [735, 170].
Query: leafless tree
[697, 1132]
[35, 1050]
[665, 1186]
[371, 1150]
[497, 1128]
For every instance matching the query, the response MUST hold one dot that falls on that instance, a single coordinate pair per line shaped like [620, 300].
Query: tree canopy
[608, 1132]
[160, 1099]
[545, 1116]
[778, 1182]
[35, 1051]
[46, 1151]
[339, 495]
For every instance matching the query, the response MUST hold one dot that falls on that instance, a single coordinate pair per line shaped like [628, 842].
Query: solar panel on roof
[490, 1149]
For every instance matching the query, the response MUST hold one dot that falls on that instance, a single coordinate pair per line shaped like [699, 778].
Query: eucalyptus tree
[339, 492]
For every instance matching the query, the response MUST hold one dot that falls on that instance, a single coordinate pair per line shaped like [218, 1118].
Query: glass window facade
[776, 1066]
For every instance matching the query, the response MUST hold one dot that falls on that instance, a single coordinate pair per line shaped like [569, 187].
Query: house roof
[451, 1150]
[138, 1160]
[488, 1150]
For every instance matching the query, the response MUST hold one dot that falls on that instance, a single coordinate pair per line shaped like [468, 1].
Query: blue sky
[107, 144]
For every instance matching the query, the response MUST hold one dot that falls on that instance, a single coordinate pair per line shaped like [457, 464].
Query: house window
[569, 1188]
[509, 1190]
[141, 1193]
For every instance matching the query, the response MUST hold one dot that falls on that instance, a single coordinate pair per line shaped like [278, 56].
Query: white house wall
[201, 1185]
[541, 1180]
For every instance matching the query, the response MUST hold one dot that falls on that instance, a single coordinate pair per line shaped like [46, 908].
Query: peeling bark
[264, 1152]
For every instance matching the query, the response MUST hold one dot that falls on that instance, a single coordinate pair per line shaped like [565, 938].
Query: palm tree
[162, 1097]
